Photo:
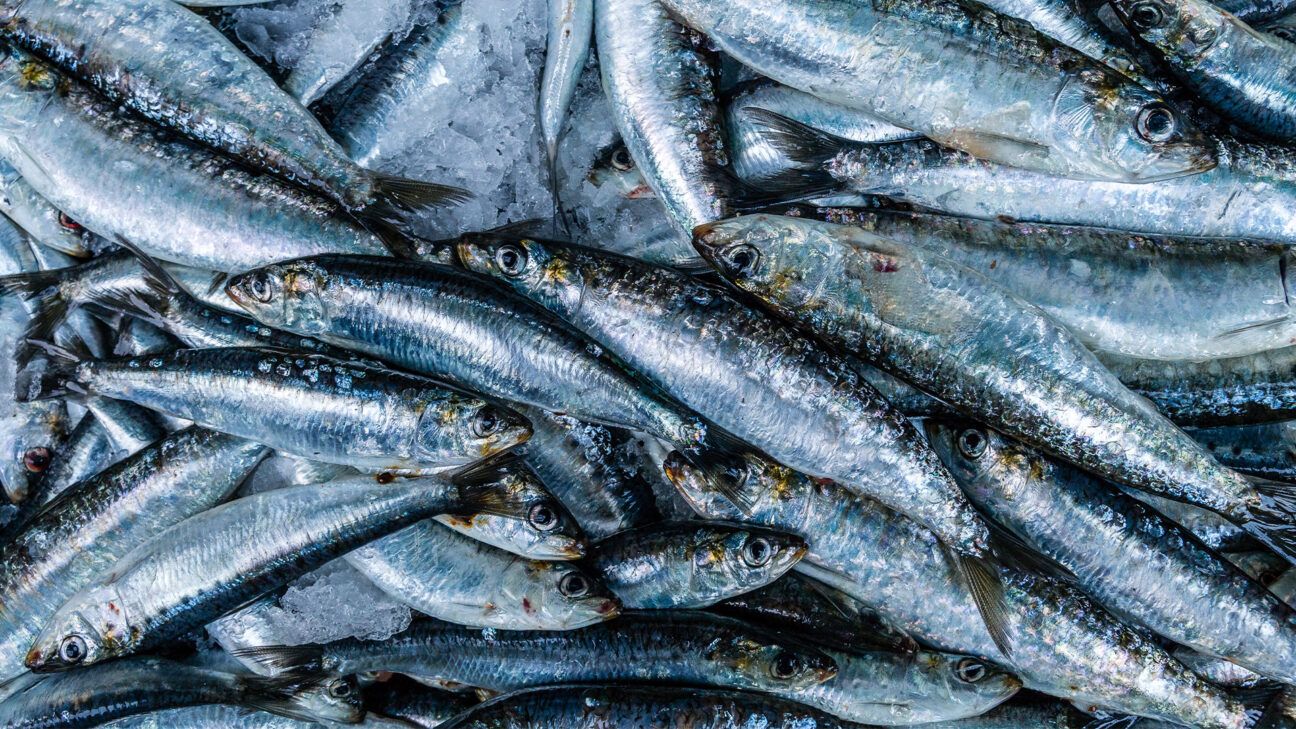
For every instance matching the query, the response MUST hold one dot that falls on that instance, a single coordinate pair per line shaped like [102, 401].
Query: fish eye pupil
[972, 443]
[340, 690]
[970, 671]
[543, 517]
[786, 665]
[488, 422]
[511, 260]
[757, 552]
[1146, 16]
[743, 259]
[72, 649]
[37, 460]
[260, 289]
[573, 585]
[1285, 33]
[1156, 123]
[622, 160]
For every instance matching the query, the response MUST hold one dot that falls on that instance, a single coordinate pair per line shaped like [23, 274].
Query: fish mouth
[703, 238]
[236, 294]
[1198, 161]
[609, 608]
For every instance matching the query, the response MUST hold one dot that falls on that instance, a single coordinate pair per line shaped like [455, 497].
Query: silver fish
[341, 43]
[571, 28]
[1028, 101]
[1070, 23]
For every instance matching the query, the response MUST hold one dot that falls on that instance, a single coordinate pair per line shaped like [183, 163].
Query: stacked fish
[885, 362]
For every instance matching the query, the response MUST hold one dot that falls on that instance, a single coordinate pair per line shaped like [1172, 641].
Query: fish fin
[49, 310]
[1110, 722]
[986, 585]
[486, 470]
[719, 458]
[1267, 702]
[1013, 551]
[217, 282]
[56, 379]
[277, 659]
[896, 639]
[1273, 519]
[479, 484]
[155, 275]
[29, 285]
[145, 307]
[806, 147]
[397, 243]
[283, 695]
[399, 195]
[525, 228]
[1254, 326]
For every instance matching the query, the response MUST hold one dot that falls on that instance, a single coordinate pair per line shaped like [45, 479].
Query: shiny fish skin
[1257, 10]
[414, 703]
[38, 218]
[627, 707]
[139, 685]
[78, 537]
[1028, 102]
[211, 716]
[86, 452]
[947, 329]
[224, 557]
[457, 579]
[1119, 293]
[582, 465]
[308, 405]
[660, 85]
[747, 372]
[1267, 450]
[1210, 528]
[691, 564]
[1244, 74]
[145, 54]
[675, 647]
[1067, 22]
[1123, 554]
[120, 176]
[571, 29]
[340, 44]
[461, 328]
[1064, 643]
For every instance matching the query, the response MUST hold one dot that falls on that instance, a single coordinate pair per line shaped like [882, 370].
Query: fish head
[1182, 30]
[769, 662]
[462, 428]
[91, 628]
[988, 466]
[30, 439]
[327, 699]
[733, 486]
[773, 257]
[543, 271]
[615, 169]
[562, 596]
[536, 525]
[290, 295]
[743, 557]
[24, 81]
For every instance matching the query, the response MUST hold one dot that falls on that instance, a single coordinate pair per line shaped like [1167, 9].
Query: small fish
[571, 29]
[692, 564]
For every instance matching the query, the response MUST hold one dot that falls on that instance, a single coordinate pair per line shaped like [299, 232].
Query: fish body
[571, 29]
[1069, 23]
[1267, 450]
[45, 224]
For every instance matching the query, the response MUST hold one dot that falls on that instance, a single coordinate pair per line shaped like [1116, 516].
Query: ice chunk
[278, 32]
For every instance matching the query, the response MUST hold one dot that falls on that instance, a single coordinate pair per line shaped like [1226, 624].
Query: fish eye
[786, 665]
[73, 649]
[1156, 123]
[543, 517]
[511, 260]
[757, 552]
[972, 443]
[574, 584]
[1146, 16]
[259, 287]
[68, 223]
[488, 422]
[37, 460]
[340, 689]
[741, 259]
[622, 160]
[970, 670]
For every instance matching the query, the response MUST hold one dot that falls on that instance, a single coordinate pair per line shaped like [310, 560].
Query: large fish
[1025, 100]
[953, 333]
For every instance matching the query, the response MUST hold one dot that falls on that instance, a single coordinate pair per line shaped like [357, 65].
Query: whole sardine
[454, 578]
[691, 564]
[677, 647]
[140, 685]
[1063, 643]
[461, 328]
[955, 334]
[146, 55]
[209, 564]
[571, 28]
[307, 405]
[123, 177]
[660, 85]
[341, 42]
[1123, 554]
[1025, 100]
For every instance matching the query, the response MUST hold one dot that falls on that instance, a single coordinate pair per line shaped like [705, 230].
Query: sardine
[571, 29]
[341, 42]
[210, 716]
[1026, 100]
[993, 356]
[307, 405]
[691, 564]
[454, 578]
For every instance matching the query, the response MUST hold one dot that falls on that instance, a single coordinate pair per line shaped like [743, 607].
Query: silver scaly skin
[691, 564]
[1253, 11]
[753, 155]
[1027, 100]
[1147, 297]
[583, 465]
[145, 55]
[1125, 555]
[1053, 715]
[460, 580]
[410, 702]
[463, 329]
[141, 685]
[1267, 450]
[660, 85]
[747, 372]
[1069, 23]
[224, 557]
[211, 716]
[86, 452]
[676, 647]
[638, 707]
[38, 218]
[953, 333]
[571, 28]
[123, 177]
[1063, 643]
[1245, 75]
[306, 405]
[1209, 528]
[341, 43]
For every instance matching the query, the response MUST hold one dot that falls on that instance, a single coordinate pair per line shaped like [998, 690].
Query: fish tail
[281, 659]
[1272, 519]
[57, 377]
[719, 458]
[807, 148]
[149, 305]
[480, 484]
[403, 196]
[289, 695]
[28, 285]
[49, 307]
[986, 585]
[1270, 703]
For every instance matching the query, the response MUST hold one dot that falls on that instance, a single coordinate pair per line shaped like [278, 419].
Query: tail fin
[28, 285]
[48, 305]
[719, 458]
[281, 659]
[1273, 519]
[1270, 706]
[806, 147]
[151, 305]
[398, 194]
[56, 379]
[327, 698]
[480, 487]
[986, 585]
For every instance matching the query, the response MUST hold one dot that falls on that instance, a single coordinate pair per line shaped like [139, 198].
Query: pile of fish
[739, 364]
